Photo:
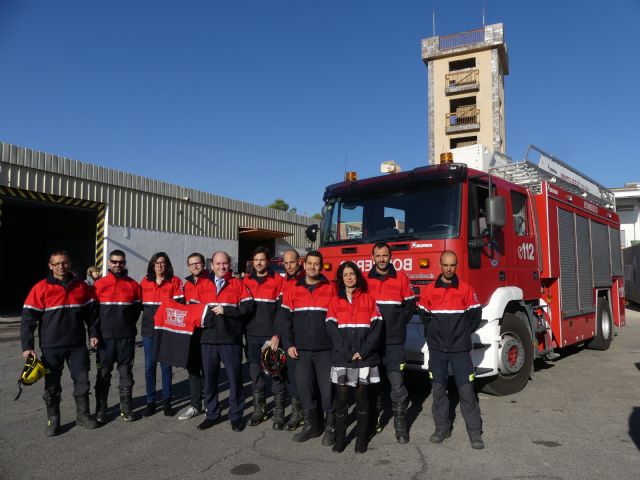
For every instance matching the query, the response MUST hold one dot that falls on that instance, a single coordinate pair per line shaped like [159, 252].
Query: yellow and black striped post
[102, 210]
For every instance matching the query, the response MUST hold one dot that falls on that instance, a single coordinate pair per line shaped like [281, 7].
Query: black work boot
[166, 408]
[341, 432]
[149, 409]
[476, 441]
[329, 438]
[83, 417]
[53, 414]
[102, 394]
[375, 418]
[278, 410]
[295, 420]
[125, 404]
[439, 436]
[362, 434]
[259, 414]
[400, 421]
[312, 427]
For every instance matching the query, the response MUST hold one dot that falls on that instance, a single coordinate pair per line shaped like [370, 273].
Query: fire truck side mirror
[495, 209]
[312, 232]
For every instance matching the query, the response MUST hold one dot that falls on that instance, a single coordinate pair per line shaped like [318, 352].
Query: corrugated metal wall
[140, 202]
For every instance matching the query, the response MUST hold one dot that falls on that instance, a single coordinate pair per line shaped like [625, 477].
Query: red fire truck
[538, 240]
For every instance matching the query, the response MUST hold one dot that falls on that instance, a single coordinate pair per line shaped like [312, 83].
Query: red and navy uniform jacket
[174, 324]
[119, 305]
[396, 301]
[62, 312]
[302, 316]
[354, 327]
[266, 293]
[288, 281]
[450, 314]
[193, 286]
[237, 303]
[152, 296]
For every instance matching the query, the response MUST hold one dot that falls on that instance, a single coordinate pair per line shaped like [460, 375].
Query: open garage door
[30, 229]
[252, 238]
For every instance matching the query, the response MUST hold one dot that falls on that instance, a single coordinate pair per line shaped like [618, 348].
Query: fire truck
[538, 240]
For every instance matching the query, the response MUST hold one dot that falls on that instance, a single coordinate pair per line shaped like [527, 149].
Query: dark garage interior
[29, 232]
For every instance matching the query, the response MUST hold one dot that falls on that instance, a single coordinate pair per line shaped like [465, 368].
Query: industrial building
[49, 202]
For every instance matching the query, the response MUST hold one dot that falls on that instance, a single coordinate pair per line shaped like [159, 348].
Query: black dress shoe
[237, 425]
[207, 423]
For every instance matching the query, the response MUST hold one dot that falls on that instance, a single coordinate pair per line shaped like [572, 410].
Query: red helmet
[273, 362]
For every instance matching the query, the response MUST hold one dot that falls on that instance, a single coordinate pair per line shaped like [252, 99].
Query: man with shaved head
[451, 312]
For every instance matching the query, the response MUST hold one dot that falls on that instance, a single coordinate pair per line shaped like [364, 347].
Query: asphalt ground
[579, 418]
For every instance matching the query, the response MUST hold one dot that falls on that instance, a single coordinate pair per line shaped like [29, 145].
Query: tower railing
[463, 77]
[466, 115]
[461, 39]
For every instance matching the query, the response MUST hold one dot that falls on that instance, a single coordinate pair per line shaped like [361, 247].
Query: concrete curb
[9, 320]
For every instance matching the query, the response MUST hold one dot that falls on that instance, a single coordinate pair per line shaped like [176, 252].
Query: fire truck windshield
[428, 211]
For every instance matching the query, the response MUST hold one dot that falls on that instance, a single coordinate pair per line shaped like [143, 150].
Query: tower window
[463, 141]
[462, 64]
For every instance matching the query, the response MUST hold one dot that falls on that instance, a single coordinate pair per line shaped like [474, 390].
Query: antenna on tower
[483, 16]
[433, 22]
[346, 156]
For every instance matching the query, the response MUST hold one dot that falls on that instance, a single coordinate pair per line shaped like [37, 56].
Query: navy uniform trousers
[231, 356]
[463, 372]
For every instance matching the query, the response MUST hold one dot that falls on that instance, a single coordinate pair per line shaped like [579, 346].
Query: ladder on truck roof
[551, 169]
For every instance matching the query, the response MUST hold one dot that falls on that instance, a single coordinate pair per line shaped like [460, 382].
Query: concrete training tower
[466, 89]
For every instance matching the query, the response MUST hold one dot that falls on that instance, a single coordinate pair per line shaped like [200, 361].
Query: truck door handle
[502, 276]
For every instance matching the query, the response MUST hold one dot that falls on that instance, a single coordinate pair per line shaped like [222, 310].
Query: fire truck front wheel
[604, 327]
[515, 357]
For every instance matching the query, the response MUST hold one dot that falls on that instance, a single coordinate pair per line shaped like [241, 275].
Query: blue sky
[259, 99]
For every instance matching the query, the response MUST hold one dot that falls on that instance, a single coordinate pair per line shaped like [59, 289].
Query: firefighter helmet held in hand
[273, 361]
[32, 372]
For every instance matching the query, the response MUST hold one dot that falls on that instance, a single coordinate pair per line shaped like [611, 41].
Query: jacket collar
[296, 276]
[391, 273]
[124, 274]
[302, 280]
[342, 293]
[455, 283]
[269, 274]
[67, 280]
[227, 277]
[192, 279]
[152, 277]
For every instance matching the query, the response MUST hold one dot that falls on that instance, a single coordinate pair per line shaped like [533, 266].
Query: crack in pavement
[424, 466]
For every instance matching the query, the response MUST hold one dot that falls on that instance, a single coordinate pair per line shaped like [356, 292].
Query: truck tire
[604, 327]
[515, 357]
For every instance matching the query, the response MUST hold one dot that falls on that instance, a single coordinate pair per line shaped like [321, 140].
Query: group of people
[339, 337]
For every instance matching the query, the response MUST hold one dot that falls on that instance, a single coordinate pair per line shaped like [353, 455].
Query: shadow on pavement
[634, 426]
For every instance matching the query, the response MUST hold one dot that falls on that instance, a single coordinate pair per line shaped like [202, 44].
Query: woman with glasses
[158, 284]
[354, 324]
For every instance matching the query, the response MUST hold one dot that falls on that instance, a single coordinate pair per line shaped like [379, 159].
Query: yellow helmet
[32, 372]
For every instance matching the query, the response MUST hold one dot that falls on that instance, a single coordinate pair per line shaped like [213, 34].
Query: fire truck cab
[540, 244]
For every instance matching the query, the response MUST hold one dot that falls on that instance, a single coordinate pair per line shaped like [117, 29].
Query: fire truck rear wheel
[515, 357]
[604, 327]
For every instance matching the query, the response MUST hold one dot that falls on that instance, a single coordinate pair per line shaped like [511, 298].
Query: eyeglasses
[195, 264]
[160, 263]
[60, 263]
[117, 262]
